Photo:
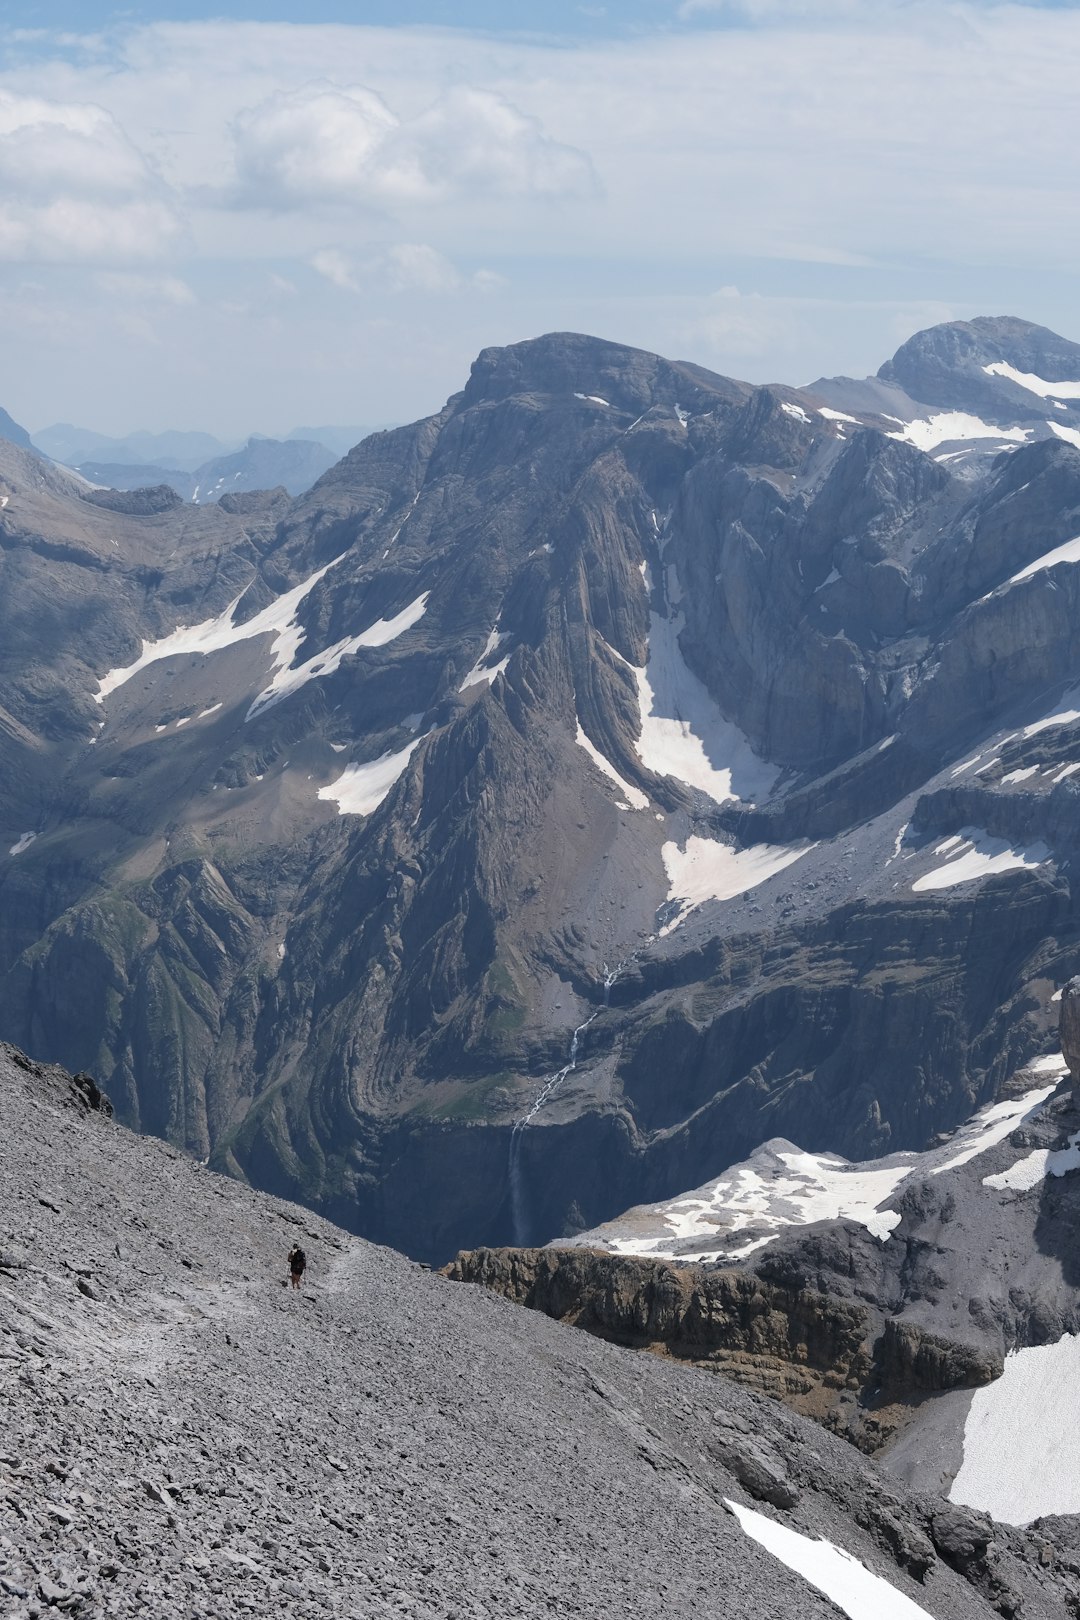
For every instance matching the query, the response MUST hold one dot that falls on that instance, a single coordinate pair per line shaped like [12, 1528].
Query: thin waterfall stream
[518, 1210]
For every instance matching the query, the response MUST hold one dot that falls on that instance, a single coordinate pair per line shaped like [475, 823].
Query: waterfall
[518, 1202]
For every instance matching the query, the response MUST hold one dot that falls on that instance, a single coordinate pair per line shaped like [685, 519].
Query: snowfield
[780, 1186]
[1020, 1437]
[978, 855]
[709, 870]
[949, 427]
[360, 789]
[683, 733]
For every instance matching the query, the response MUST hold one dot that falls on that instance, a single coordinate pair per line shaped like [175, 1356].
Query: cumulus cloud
[327, 144]
[73, 187]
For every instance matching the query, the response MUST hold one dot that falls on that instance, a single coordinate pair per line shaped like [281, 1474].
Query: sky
[230, 219]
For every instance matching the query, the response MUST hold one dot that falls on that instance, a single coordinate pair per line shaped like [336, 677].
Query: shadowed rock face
[1069, 1030]
[324, 885]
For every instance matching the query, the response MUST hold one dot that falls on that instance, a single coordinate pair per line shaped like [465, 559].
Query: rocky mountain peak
[974, 365]
[594, 371]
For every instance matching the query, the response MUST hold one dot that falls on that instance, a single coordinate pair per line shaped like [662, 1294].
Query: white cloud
[73, 187]
[328, 144]
[332, 264]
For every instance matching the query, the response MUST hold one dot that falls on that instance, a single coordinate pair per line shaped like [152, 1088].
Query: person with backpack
[297, 1264]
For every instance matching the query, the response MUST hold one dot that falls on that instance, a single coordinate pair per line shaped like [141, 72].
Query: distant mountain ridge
[292, 464]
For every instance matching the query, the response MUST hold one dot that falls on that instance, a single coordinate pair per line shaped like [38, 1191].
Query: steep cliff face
[554, 802]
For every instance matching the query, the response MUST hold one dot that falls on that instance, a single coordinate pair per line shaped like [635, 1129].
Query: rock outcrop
[1069, 1030]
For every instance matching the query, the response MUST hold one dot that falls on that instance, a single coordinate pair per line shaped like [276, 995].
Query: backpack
[297, 1260]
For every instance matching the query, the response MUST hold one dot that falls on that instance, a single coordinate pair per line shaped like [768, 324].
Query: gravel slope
[182, 1435]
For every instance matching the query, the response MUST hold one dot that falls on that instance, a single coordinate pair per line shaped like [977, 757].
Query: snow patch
[992, 1125]
[1059, 717]
[213, 709]
[23, 842]
[982, 857]
[857, 1592]
[287, 679]
[683, 733]
[780, 1186]
[1020, 1437]
[1070, 435]
[839, 416]
[637, 799]
[708, 870]
[593, 399]
[1033, 1170]
[1068, 552]
[1021, 775]
[794, 410]
[360, 789]
[1033, 383]
[480, 670]
[214, 634]
[947, 427]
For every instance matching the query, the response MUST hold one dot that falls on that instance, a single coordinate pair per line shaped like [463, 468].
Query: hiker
[297, 1264]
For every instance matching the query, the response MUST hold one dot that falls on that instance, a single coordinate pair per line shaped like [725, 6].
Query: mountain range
[569, 793]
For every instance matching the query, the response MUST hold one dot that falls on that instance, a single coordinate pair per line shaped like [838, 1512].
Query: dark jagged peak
[597, 373]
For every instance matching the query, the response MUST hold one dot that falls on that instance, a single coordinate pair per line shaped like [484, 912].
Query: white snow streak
[860, 1594]
[992, 1125]
[633, 795]
[360, 789]
[23, 842]
[380, 634]
[983, 857]
[794, 410]
[277, 619]
[480, 670]
[778, 1187]
[214, 634]
[1034, 384]
[1020, 1437]
[1068, 552]
[1070, 435]
[1063, 716]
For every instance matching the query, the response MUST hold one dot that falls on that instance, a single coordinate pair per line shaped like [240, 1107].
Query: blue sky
[245, 222]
